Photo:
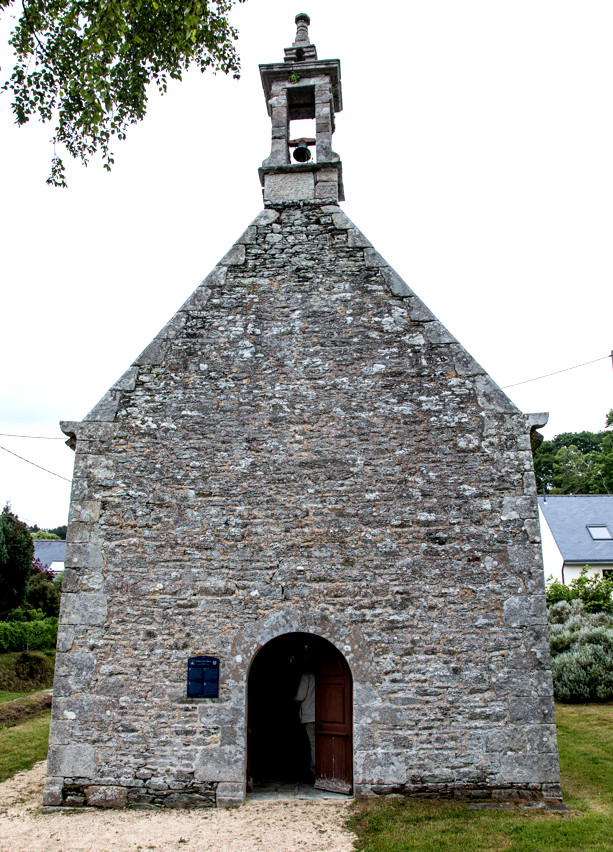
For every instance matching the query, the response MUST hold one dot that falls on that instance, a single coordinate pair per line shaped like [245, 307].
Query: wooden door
[333, 725]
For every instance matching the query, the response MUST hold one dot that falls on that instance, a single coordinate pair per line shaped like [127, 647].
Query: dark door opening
[277, 743]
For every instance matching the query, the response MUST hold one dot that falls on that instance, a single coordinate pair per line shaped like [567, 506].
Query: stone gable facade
[303, 449]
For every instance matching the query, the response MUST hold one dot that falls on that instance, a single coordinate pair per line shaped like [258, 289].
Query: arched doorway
[277, 745]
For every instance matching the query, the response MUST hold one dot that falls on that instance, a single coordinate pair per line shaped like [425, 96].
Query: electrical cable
[556, 372]
[44, 437]
[59, 476]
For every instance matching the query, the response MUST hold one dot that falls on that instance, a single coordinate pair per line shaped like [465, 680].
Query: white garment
[306, 697]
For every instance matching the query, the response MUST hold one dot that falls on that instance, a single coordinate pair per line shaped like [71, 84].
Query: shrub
[582, 652]
[584, 673]
[34, 666]
[15, 666]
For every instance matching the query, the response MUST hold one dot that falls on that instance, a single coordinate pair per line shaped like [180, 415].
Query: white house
[577, 530]
[51, 553]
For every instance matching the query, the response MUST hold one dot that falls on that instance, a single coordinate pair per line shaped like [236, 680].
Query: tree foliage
[16, 552]
[86, 64]
[576, 462]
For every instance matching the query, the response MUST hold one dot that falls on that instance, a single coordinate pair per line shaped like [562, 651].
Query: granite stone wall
[304, 447]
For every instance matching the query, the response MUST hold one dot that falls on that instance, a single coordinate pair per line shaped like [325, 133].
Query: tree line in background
[52, 534]
[29, 595]
[576, 462]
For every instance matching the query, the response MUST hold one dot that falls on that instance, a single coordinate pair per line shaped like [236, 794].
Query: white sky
[477, 147]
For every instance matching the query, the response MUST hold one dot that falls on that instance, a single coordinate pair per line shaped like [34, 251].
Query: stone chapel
[304, 472]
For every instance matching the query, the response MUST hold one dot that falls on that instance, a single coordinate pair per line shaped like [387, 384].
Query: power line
[565, 370]
[43, 437]
[35, 465]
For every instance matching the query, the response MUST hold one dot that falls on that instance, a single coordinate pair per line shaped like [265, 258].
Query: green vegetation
[585, 738]
[86, 67]
[576, 462]
[28, 635]
[29, 594]
[17, 711]
[27, 671]
[580, 617]
[595, 592]
[7, 695]
[581, 645]
[16, 553]
[51, 533]
[21, 746]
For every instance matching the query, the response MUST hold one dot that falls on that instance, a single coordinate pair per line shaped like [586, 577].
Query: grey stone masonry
[302, 449]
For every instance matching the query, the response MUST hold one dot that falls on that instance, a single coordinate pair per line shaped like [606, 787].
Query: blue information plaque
[203, 677]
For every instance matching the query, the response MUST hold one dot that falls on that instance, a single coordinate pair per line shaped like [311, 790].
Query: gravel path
[277, 826]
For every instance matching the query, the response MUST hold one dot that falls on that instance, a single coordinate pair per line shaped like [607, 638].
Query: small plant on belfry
[294, 78]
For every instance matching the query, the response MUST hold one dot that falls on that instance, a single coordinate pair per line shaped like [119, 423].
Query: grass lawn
[585, 740]
[21, 746]
[9, 696]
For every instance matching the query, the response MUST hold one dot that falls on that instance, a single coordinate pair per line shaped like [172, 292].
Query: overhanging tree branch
[86, 66]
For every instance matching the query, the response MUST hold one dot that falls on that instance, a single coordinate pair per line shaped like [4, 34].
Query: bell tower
[302, 168]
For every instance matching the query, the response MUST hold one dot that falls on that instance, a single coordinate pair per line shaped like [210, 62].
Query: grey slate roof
[568, 516]
[49, 551]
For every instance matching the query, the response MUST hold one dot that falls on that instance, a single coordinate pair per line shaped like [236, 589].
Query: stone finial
[302, 49]
[302, 33]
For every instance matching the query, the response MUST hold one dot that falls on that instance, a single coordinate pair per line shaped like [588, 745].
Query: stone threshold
[287, 792]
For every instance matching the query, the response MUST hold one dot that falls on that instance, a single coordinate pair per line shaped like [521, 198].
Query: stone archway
[277, 745]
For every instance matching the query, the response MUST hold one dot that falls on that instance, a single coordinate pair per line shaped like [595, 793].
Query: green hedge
[28, 635]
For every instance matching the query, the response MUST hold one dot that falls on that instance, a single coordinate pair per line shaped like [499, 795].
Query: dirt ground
[277, 826]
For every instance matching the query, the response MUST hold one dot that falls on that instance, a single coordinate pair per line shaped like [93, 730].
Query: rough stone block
[330, 175]
[266, 217]
[289, 187]
[523, 611]
[372, 258]
[52, 794]
[340, 220]
[82, 555]
[248, 237]
[84, 608]
[234, 257]
[154, 354]
[356, 239]
[326, 191]
[106, 409]
[71, 761]
[419, 312]
[436, 333]
[230, 794]
[78, 667]
[128, 380]
[223, 763]
[106, 797]
[465, 364]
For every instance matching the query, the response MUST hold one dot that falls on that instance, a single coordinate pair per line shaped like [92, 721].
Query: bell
[301, 152]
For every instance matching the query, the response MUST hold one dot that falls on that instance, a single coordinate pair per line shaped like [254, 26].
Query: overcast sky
[476, 140]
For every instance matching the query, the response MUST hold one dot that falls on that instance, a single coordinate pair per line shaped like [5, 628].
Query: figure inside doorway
[306, 698]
